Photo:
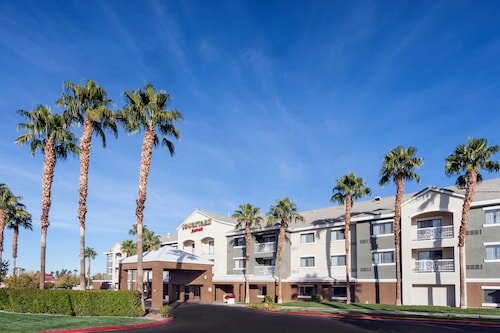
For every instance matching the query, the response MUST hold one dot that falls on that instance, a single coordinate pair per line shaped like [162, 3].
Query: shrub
[263, 306]
[22, 281]
[67, 281]
[72, 302]
[268, 299]
[316, 298]
[165, 311]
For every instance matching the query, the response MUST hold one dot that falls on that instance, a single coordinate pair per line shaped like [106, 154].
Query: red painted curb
[114, 328]
[375, 317]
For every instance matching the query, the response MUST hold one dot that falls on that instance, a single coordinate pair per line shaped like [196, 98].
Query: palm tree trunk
[247, 261]
[3, 221]
[47, 180]
[85, 145]
[88, 272]
[347, 233]
[400, 188]
[279, 256]
[15, 237]
[147, 152]
[469, 194]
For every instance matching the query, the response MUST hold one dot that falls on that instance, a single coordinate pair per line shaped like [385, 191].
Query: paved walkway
[197, 318]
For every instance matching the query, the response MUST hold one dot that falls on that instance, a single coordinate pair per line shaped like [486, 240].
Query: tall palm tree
[247, 216]
[18, 217]
[150, 241]
[128, 247]
[347, 189]
[48, 133]
[146, 110]
[88, 106]
[7, 200]
[398, 166]
[466, 162]
[90, 253]
[284, 211]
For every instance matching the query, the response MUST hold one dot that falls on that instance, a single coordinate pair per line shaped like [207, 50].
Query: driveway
[190, 318]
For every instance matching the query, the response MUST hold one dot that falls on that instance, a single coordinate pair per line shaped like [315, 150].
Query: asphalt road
[219, 319]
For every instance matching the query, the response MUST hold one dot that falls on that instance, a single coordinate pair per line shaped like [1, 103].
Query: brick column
[181, 293]
[157, 288]
[122, 279]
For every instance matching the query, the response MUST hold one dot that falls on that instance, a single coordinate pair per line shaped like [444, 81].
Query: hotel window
[307, 262]
[379, 229]
[338, 260]
[491, 297]
[239, 264]
[338, 234]
[306, 291]
[431, 223]
[211, 247]
[383, 257]
[268, 239]
[492, 216]
[307, 238]
[339, 292]
[493, 252]
[239, 242]
[430, 255]
[262, 290]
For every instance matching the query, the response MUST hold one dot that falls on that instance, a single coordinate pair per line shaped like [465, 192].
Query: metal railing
[435, 233]
[263, 270]
[264, 247]
[429, 266]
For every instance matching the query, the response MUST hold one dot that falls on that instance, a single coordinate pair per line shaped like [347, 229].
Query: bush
[165, 311]
[67, 281]
[263, 306]
[23, 281]
[72, 302]
[316, 298]
[268, 299]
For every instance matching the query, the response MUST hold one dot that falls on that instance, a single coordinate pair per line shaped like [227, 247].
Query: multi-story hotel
[208, 246]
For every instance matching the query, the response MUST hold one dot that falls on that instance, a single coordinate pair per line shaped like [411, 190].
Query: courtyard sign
[198, 225]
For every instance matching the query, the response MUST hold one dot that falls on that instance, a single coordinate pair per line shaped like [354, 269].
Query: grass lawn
[415, 308]
[20, 322]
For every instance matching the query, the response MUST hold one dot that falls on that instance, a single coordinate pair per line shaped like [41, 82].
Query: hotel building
[213, 251]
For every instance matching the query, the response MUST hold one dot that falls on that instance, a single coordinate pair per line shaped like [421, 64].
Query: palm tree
[247, 216]
[88, 106]
[466, 162]
[347, 189]
[90, 253]
[283, 212]
[7, 201]
[150, 241]
[18, 217]
[399, 165]
[128, 247]
[48, 133]
[145, 110]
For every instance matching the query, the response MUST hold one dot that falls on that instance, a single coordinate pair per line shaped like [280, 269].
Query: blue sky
[279, 98]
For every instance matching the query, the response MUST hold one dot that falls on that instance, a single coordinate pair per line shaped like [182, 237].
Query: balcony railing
[435, 233]
[264, 247]
[430, 266]
[263, 270]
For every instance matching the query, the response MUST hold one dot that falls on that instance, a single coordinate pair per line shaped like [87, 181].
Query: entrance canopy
[168, 254]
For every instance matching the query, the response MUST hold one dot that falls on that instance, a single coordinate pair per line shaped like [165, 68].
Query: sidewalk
[391, 313]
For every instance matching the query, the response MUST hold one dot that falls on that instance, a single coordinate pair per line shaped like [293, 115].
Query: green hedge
[72, 302]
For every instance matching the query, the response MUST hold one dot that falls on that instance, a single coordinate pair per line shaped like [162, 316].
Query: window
[338, 234]
[306, 291]
[338, 260]
[211, 248]
[430, 255]
[262, 290]
[492, 216]
[265, 261]
[431, 223]
[383, 257]
[268, 239]
[339, 292]
[382, 229]
[493, 252]
[307, 238]
[239, 264]
[239, 242]
[307, 262]
[491, 296]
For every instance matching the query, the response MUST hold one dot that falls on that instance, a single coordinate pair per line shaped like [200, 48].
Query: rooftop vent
[377, 199]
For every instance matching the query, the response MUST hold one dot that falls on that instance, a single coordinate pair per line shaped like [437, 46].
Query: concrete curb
[166, 321]
[394, 318]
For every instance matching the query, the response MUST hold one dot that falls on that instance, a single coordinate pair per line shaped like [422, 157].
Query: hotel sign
[196, 226]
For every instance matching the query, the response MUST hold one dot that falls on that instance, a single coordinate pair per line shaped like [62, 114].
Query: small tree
[90, 254]
[128, 247]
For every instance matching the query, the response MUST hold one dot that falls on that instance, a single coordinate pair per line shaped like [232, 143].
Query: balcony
[434, 233]
[263, 270]
[264, 247]
[431, 266]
